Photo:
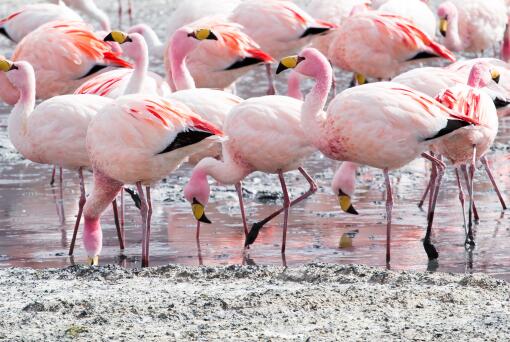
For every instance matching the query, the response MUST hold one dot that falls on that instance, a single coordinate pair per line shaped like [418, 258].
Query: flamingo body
[415, 10]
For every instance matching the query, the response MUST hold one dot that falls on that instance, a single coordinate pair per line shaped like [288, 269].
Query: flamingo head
[310, 62]
[187, 39]
[133, 44]
[482, 75]
[446, 11]
[343, 186]
[20, 74]
[197, 193]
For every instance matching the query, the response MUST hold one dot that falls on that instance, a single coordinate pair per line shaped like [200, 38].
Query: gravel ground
[316, 302]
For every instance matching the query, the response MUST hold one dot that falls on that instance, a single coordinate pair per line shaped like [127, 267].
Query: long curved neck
[452, 39]
[225, 172]
[312, 114]
[17, 123]
[141, 66]
[345, 178]
[294, 86]
[180, 47]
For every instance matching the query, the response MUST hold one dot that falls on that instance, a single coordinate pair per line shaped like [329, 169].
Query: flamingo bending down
[469, 144]
[264, 134]
[472, 25]
[417, 11]
[280, 27]
[63, 55]
[125, 81]
[378, 45]
[384, 125]
[224, 54]
[53, 132]
[137, 139]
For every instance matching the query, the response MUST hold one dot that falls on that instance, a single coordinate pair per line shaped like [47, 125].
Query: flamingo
[89, 8]
[469, 144]
[384, 125]
[280, 27]
[222, 56]
[118, 82]
[417, 11]
[378, 45]
[137, 139]
[54, 132]
[264, 134]
[472, 25]
[64, 55]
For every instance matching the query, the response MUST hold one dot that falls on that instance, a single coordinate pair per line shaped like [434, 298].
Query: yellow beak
[199, 211]
[93, 261]
[360, 79]
[443, 26]
[345, 203]
[289, 62]
[495, 75]
[6, 65]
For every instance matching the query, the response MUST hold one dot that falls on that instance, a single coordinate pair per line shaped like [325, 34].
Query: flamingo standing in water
[137, 139]
[54, 132]
[378, 45]
[63, 55]
[384, 125]
[472, 25]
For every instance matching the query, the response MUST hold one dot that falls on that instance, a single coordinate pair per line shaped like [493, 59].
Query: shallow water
[31, 235]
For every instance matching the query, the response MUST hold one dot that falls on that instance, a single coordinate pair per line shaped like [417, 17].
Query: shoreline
[314, 302]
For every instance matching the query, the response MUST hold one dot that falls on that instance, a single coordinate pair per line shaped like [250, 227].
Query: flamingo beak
[117, 37]
[345, 203]
[495, 76]
[443, 27]
[6, 65]
[203, 34]
[289, 62]
[93, 261]
[199, 211]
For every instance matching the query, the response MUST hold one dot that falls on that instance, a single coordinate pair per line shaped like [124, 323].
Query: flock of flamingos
[103, 110]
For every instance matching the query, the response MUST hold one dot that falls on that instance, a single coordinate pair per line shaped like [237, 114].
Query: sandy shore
[250, 303]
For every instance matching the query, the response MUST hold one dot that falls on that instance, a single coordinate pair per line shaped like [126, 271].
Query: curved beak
[345, 203]
[443, 26]
[289, 62]
[199, 211]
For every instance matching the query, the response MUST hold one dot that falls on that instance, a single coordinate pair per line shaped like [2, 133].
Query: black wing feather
[4, 32]
[93, 70]
[451, 126]
[247, 61]
[423, 55]
[311, 31]
[186, 138]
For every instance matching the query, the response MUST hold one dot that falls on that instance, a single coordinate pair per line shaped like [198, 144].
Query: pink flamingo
[472, 25]
[378, 45]
[227, 53]
[384, 125]
[115, 83]
[280, 27]
[54, 132]
[469, 144]
[64, 55]
[137, 139]
[417, 11]
[264, 134]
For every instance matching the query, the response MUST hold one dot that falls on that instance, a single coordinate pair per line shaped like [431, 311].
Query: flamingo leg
[149, 217]
[52, 181]
[461, 198]
[286, 206]
[197, 234]
[427, 244]
[429, 185]
[120, 13]
[493, 181]
[389, 208]
[121, 212]
[255, 228]
[271, 90]
[239, 189]
[61, 199]
[143, 211]
[333, 80]
[470, 240]
[130, 12]
[81, 204]
[117, 224]
[466, 178]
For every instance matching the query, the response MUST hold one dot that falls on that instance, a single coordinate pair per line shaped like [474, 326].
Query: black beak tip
[128, 39]
[443, 33]
[352, 211]
[280, 68]
[14, 67]
[212, 36]
[108, 38]
[497, 79]
[204, 219]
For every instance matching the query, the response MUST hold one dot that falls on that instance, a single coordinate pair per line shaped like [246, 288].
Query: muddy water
[32, 236]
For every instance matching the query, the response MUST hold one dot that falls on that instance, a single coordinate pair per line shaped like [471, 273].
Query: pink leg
[286, 206]
[271, 90]
[427, 244]
[52, 181]
[199, 252]
[470, 239]
[493, 181]
[389, 208]
[461, 198]
[117, 224]
[239, 188]
[130, 12]
[149, 217]
[333, 80]
[255, 228]
[143, 211]
[81, 204]
[425, 193]
[61, 199]
[466, 178]
[121, 211]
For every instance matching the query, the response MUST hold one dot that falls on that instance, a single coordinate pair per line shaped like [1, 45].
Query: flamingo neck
[223, 172]
[312, 114]
[294, 86]
[17, 122]
[104, 192]
[345, 178]
[153, 42]
[505, 47]
[179, 47]
[141, 66]
[452, 39]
